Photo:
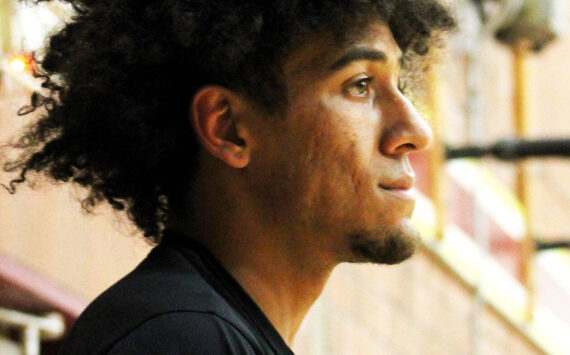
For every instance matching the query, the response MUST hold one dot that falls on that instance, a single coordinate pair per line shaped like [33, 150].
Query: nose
[403, 130]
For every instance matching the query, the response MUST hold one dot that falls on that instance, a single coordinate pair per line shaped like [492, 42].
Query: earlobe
[215, 114]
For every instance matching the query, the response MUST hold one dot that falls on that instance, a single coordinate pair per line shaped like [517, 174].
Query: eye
[359, 88]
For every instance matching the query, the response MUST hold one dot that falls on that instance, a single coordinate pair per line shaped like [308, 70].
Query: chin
[387, 245]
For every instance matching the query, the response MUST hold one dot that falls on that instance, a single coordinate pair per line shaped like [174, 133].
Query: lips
[400, 188]
[403, 183]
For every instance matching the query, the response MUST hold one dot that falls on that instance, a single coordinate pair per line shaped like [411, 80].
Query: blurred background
[493, 274]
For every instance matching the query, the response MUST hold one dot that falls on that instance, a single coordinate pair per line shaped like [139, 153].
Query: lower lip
[401, 193]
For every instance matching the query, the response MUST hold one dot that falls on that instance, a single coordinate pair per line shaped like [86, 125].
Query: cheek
[331, 147]
[340, 153]
[351, 134]
[357, 123]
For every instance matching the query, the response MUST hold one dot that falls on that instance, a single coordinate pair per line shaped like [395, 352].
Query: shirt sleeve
[184, 333]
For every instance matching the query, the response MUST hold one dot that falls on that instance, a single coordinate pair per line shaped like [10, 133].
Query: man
[259, 145]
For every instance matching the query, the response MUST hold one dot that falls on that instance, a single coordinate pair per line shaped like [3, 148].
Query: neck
[283, 277]
[283, 291]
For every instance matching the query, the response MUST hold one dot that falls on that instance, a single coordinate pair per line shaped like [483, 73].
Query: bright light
[20, 64]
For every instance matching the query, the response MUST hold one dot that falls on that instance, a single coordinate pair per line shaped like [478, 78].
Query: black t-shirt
[179, 300]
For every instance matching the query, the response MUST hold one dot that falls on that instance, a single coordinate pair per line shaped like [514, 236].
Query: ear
[215, 112]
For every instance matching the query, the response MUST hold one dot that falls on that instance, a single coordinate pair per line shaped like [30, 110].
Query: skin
[282, 200]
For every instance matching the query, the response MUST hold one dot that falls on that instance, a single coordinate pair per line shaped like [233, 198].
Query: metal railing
[33, 328]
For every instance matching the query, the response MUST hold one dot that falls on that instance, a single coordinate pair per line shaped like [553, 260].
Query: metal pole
[476, 134]
[6, 13]
[521, 112]
[33, 327]
[437, 152]
[514, 149]
[31, 340]
[555, 244]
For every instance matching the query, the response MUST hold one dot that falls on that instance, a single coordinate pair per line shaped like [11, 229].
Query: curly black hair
[120, 77]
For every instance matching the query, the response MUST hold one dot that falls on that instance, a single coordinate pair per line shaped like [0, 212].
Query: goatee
[389, 246]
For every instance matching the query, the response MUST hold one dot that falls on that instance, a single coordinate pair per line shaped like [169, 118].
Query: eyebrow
[356, 54]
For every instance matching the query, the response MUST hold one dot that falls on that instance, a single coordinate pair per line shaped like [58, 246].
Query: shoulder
[164, 294]
[188, 332]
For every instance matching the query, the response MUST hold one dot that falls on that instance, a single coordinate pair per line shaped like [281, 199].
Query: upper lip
[404, 182]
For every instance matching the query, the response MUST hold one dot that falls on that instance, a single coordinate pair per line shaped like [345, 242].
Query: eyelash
[402, 87]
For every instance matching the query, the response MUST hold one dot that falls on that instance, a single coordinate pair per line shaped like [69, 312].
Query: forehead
[321, 52]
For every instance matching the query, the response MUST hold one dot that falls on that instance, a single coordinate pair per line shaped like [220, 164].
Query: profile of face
[333, 173]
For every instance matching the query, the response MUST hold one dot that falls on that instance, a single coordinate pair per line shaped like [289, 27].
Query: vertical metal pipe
[521, 114]
[437, 152]
[474, 35]
[476, 134]
[31, 340]
[6, 13]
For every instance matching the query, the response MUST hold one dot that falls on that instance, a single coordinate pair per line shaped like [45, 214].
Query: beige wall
[551, 117]
[413, 308]
[46, 229]
[549, 87]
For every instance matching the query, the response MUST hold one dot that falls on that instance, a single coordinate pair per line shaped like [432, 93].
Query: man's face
[333, 174]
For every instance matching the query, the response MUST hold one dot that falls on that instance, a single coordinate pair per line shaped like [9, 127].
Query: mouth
[401, 188]
[405, 194]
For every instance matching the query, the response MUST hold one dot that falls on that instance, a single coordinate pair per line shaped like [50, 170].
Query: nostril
[406, 147]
